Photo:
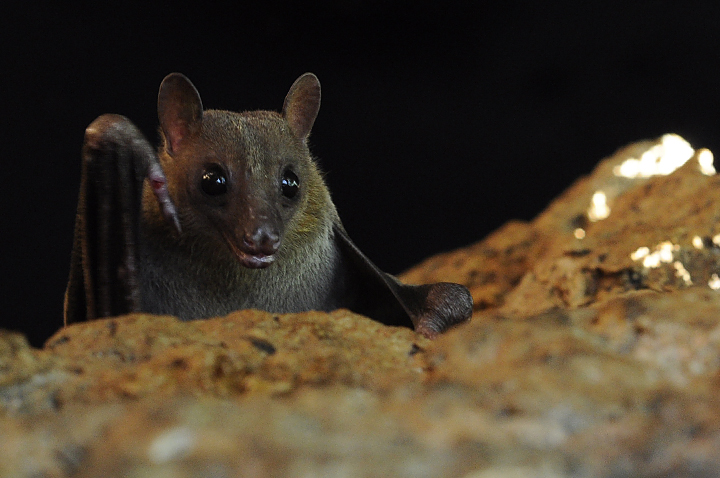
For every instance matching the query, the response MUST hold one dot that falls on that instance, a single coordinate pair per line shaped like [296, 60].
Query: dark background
[439, 121]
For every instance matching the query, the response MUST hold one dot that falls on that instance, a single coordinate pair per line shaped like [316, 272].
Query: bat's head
[244, 184]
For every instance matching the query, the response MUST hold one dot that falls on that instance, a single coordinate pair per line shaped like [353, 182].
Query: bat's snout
[255, 250]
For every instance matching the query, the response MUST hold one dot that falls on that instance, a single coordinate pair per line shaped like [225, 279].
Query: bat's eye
[213, 181]
[290, 184]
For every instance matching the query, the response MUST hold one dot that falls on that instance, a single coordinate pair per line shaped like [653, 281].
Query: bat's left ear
[179, 110]
[302, 104]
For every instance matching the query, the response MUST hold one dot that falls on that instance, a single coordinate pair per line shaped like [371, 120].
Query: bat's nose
[263, 240]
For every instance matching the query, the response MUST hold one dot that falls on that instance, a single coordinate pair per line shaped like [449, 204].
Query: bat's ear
[179, 110]
[302, 104]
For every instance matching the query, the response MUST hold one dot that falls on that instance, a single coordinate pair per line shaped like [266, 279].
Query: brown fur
[253, 147]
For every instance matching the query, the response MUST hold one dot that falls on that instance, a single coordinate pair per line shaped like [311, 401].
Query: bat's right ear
[179, 110]
[302, 104]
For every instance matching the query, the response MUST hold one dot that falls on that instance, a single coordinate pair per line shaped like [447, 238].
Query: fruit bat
[230, 213]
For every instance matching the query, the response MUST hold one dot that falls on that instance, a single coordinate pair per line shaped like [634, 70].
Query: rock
[490, 269]
[250, 351]
[622, 228]
[594, 351]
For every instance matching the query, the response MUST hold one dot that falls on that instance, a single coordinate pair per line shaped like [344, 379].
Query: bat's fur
[195, 274]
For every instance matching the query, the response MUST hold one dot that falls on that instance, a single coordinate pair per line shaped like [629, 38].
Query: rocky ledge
[594, 351]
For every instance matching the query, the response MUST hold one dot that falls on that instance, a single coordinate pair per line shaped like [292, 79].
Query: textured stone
[594, 351]
[246, 352]
[568, 257]
[490, 269]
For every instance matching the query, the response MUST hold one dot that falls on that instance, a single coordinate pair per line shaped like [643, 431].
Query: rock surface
[594, 351]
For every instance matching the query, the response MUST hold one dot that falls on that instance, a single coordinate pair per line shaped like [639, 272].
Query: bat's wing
[431, 308]
[116, 159]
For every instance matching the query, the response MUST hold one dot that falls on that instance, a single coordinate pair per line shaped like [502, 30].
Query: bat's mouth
[256, 261]
[251, 260]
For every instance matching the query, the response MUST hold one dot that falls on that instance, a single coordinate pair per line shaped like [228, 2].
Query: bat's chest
[178, 284]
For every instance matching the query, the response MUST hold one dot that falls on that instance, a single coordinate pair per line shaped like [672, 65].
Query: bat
[231, 212]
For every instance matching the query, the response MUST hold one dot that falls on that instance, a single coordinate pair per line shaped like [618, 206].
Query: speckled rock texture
[594, 351]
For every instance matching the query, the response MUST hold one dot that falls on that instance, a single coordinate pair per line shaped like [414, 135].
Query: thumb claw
[158, 182]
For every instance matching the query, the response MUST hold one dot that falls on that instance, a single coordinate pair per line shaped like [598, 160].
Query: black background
[439, 122]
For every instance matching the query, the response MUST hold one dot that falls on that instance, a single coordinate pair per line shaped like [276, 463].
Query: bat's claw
[158, 182]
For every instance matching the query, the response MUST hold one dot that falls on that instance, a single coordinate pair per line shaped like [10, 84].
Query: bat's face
[242, 179]
[243, 182]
